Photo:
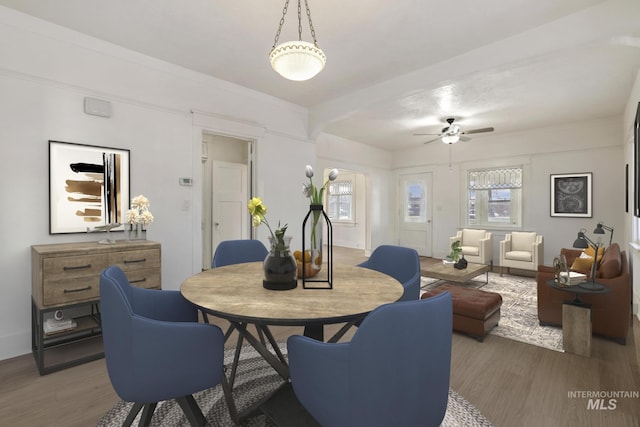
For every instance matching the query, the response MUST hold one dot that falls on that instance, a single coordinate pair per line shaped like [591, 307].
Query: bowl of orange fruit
[304, 261]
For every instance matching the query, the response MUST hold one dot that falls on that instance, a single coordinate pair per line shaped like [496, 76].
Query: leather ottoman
[475, 312]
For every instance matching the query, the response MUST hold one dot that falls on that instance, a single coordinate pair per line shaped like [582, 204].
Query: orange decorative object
[309, 271]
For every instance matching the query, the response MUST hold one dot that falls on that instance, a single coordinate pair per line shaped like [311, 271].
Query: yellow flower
[258, 210]
[256, 207]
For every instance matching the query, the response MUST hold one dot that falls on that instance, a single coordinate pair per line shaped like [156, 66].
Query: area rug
[254, 380]
[519, 311]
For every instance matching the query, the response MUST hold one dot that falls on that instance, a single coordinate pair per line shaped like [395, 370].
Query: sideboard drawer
[136, 260]
[73, 266]
[147, 278]
[70, 290]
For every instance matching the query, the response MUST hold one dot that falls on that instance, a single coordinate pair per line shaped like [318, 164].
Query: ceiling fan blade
[431, 140]
[465, 138]
[478, 130]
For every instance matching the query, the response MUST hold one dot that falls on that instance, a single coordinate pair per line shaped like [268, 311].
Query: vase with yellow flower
[315, 225]
[279, 265]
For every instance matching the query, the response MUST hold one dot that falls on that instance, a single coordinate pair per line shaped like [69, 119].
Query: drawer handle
[77, 267]
[133, 261]
[144, 279]
[69, 291]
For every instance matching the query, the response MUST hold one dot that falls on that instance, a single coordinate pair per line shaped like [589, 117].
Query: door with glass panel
[415, 227]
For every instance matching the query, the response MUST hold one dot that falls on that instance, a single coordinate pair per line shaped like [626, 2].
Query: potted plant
[456, 251]
[454, 255]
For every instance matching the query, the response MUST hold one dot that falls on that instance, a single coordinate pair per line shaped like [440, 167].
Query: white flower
[146, 217]
[140, 202]
[308, 170]
[139, 212]
[306, 190]
[311, 191]
[132, 216]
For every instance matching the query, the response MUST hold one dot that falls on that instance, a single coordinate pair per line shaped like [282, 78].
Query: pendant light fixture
[297, 60]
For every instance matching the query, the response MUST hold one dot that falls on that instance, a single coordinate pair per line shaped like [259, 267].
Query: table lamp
[582, 242]
[600, 230]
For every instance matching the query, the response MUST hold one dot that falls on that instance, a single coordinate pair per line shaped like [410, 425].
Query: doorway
[227, 171]
[415, 226]
[346, 204]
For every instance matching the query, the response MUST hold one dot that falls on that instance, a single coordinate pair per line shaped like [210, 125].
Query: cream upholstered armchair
[477, 245]
[523, 250]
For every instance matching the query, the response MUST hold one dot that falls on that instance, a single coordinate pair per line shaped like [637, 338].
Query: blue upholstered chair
[394, 372]
[238, 251]
[154, 347]
[403, 264]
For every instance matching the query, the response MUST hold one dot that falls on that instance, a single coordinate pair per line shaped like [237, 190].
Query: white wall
[46, 71]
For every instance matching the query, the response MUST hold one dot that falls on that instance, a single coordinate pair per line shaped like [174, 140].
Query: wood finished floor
[511, 383]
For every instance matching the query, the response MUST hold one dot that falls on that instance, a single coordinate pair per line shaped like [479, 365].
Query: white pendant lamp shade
[297, 60]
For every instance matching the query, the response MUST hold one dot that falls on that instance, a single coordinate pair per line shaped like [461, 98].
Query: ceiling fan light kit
[450, 139]
[452, 133]
[297, 60]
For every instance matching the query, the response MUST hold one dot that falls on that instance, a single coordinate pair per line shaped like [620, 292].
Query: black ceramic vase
[461, 264]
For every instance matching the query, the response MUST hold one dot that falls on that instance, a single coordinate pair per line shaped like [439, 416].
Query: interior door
[229, 214]
[415, 212]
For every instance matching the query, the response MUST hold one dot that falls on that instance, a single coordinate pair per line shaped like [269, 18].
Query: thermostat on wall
[187, 182]
[97, 107]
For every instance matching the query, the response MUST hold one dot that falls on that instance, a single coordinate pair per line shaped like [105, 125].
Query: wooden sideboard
[66, 277]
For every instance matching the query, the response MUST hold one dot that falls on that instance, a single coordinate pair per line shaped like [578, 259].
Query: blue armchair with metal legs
[238, 251]
[399, 262]
[394, 372]
[155, 349]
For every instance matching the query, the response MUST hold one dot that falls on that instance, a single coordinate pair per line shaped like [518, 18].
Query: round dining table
[235, 293]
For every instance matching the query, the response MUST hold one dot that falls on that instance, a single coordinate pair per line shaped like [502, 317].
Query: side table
[576, 317]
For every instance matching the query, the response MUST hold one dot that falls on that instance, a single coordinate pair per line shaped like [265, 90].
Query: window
[415, 202]
[340, 200]
[494, 197]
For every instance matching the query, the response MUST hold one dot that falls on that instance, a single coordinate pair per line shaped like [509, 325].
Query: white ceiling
[394, 68]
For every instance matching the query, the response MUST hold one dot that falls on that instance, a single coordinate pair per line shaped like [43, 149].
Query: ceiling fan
[452, 133]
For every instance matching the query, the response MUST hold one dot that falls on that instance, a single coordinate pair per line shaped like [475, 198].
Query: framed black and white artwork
[571, 195]
[88, 187]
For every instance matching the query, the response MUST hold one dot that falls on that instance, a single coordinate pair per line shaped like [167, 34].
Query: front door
[415, 212]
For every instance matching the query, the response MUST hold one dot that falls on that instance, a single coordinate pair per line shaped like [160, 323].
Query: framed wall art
[636, 163]
[571, 195]
[626, 187]
[88, 187]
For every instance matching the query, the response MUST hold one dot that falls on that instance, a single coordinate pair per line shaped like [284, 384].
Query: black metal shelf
[60, 350]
